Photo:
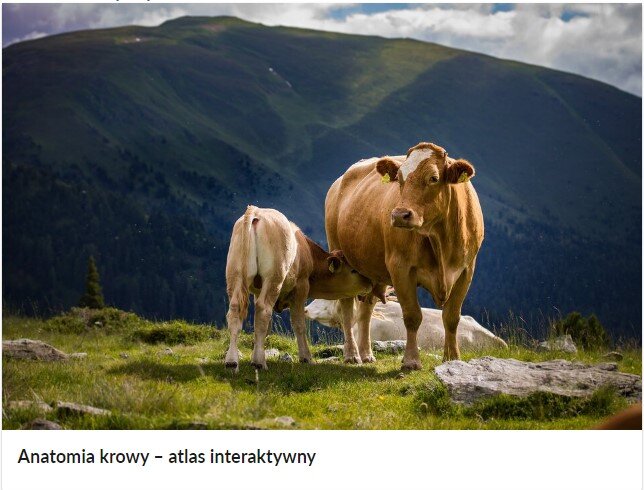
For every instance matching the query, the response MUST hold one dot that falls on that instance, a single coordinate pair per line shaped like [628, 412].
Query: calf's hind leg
[264, 302]
[234, 318]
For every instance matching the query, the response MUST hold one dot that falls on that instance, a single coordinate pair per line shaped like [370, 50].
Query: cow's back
[357, 207]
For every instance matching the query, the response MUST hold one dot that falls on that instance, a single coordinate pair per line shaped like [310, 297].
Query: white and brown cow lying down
[270, 257]
[387, 324]
[407, 221]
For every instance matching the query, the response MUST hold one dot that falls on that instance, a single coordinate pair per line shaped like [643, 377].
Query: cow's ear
[388, 168]
[335, 263]
[459, 171]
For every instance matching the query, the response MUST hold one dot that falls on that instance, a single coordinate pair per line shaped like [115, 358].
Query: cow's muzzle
[405, 218]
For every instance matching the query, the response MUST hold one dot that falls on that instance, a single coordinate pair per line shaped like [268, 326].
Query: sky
[600, 41]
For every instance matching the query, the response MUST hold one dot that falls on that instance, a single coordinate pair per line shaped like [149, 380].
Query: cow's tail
[240, 292]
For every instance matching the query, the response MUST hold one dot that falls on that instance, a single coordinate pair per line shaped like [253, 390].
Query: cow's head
[423, 178]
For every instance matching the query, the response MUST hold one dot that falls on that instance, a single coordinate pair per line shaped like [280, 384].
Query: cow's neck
[447, 237]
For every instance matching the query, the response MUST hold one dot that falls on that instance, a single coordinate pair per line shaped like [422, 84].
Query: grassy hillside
[143, 145]
[170, 385]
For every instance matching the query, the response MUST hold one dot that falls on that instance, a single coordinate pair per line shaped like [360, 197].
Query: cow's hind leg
[351, 355]
[264, 302]
[452, 314]
[365, 308]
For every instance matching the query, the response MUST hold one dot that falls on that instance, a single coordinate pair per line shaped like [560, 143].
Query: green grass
[148, 387]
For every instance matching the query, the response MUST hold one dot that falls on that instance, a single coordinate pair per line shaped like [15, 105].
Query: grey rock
[563, 343]
[78, 355]
[271, 353]
[124, 355]
[467, 382]
[286, 357]
[393, 346]
[331, 351]
[613, 356]
[285, 421]
[69, 408]
[41, 424]
[31, 349]
[29, 405]
[331, 359]
[167, 351]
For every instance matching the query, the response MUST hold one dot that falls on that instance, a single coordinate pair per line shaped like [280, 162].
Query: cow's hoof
[353, 360]
[412, 365]
[368, 358]
[257, 365]
[231, 364]
[306, 360]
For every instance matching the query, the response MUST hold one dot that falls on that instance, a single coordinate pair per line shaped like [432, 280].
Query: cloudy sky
[601, 41]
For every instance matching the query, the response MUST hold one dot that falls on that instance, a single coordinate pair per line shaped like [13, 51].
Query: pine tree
[93, 296]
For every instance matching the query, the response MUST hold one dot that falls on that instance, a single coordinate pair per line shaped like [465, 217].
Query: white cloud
[601, 41]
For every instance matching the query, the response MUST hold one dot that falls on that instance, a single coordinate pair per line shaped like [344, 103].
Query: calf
[387, 324]
[270, 257]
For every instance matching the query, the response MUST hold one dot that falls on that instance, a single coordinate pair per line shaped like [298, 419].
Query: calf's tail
[239, 291]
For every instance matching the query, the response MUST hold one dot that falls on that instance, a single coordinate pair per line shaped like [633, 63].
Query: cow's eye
[353, 271]
[433, 179]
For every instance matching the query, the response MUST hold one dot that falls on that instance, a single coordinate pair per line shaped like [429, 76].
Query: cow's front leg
[365, 308]
[351, 355]
[405, 285]
[452, 314]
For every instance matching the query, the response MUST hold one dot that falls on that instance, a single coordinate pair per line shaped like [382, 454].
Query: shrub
[543, 405]
[589, 333]
[175, 332]
[108, 320]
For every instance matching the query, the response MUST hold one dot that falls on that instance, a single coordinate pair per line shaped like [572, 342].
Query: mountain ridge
[204, 117]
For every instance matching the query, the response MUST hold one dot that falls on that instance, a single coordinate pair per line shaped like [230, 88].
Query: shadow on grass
[282, 377]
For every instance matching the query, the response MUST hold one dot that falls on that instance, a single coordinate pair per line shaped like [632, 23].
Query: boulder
[331, 351]
[41, 424]
[613, 356]
[331, 359]
[29, 405]
[467, 382]
[272, 353]
[392, 346]
[286, 357]
[68, 408]
[563, 343]
[31, 349]
[285, 421]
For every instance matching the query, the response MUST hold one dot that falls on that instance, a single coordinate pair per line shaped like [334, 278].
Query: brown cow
[628, 419]
[424, 231]
[270, 257]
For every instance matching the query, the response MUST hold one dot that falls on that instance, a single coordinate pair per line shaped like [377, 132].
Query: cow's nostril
[406, 215]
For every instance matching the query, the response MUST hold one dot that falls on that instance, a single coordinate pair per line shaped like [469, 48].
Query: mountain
[142, 146]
